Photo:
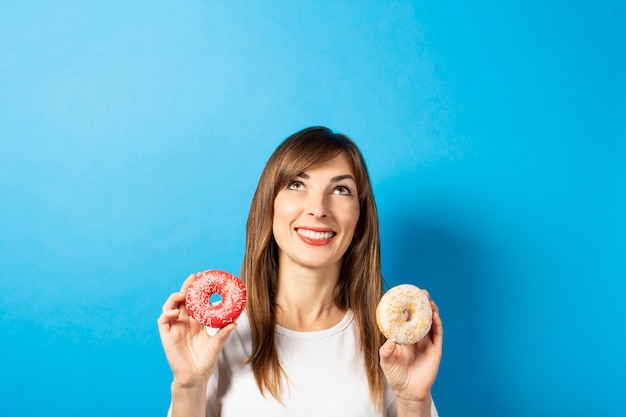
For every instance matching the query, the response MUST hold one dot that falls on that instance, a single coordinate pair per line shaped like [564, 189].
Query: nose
[317, 206]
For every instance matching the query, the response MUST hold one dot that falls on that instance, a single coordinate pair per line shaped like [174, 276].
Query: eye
[342, 190]
[295, 185]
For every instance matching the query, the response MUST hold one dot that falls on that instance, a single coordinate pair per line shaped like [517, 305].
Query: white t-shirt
[325, 371]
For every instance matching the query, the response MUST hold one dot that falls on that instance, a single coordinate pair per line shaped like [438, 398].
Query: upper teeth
[310, 234]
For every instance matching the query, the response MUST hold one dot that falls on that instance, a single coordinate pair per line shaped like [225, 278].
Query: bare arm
[191, 353]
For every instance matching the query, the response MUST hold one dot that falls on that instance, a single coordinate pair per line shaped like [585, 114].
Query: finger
[435, 310]
[168, 315]
[437, 326]
[173, 301]
[183, 291]
[177, 300]
[164, 322]
[190, 279]
[223, 333]
[386, 352]
[183, 312]
[434, 307]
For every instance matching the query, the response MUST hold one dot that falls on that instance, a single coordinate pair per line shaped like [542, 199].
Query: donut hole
[215, 298]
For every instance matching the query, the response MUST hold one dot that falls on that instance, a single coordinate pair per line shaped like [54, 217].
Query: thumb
[386, 352]
[223, 333]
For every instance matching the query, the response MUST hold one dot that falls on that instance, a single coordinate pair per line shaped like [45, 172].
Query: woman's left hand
[411, 369]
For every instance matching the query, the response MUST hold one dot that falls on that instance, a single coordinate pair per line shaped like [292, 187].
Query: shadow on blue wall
[425, 249]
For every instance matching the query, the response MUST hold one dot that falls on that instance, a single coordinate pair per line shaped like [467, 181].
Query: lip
[315, 242]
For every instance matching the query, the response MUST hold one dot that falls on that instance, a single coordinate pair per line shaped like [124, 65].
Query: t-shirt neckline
[337, 328]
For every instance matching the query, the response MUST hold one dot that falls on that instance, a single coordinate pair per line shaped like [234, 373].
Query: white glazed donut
[404, 314]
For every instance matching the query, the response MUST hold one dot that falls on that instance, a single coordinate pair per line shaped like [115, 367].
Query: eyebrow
[333, 179]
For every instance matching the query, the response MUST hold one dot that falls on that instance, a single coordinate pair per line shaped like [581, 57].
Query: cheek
[276, 219]
[351, 218]
[281, 207]
[284, 211]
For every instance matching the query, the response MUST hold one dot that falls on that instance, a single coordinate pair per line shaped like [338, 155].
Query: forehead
[336, 166]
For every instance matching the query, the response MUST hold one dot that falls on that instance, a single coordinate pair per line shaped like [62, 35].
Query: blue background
[132, 135]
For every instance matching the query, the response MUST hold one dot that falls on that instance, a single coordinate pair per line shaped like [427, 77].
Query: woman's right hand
[191, 353]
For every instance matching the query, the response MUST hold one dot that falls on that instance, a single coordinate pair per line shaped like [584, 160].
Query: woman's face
[316, 214]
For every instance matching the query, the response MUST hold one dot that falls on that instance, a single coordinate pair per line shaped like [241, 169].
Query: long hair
[359, 286]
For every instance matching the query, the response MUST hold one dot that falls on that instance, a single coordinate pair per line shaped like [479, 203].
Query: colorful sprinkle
[233, 298]
[404, 314]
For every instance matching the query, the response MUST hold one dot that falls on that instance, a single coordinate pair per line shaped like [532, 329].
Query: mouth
[315, 236]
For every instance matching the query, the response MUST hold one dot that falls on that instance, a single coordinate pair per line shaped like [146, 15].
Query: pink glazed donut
[404, 314]
[216, 314]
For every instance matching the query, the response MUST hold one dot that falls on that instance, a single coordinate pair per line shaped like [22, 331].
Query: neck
[305, 300]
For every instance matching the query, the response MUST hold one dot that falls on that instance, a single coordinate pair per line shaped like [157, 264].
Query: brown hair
[360, 282]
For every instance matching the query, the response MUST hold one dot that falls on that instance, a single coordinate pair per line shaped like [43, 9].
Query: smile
[314, 235]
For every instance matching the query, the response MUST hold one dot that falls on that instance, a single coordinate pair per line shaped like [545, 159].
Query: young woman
[308, 343]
